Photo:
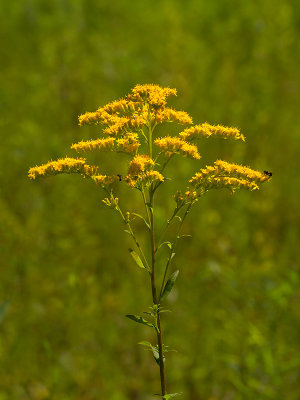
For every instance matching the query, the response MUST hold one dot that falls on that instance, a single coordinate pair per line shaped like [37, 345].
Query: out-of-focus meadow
[65, 268]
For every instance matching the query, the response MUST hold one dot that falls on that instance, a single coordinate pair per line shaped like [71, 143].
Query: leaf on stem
[172, 256]
[154, 350]
[169, 395]
[137, 259]
[183, 236]
[169, 244]
[140, 320]
[140, 216]
[169, 285]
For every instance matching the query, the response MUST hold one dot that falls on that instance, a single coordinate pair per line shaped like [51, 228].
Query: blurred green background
[64, 264]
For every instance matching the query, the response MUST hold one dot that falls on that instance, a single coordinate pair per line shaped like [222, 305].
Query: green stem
[174, 244]
[150, 207]
[155, 302]
[133, 236]
[176, 211]
[145, 203]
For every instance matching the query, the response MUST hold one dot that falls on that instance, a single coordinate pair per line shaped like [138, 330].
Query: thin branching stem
[150, 207]
[127, 223]
[172, 249]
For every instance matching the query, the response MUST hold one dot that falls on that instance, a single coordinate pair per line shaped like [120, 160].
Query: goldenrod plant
[129, 127]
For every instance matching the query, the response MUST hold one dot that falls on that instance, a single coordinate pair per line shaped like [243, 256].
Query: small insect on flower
[268, 173]
[119, 176]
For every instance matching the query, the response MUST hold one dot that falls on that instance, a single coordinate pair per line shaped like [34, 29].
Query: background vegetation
[65, 268]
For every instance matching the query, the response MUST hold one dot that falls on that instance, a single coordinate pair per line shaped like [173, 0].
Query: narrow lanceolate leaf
[3, 307]
[137, 259]
[169, 244]
[154, 350]
[169, 285]
[168, 396]
[183, 236]
[140, 216]
[171, 396]
[140, 320]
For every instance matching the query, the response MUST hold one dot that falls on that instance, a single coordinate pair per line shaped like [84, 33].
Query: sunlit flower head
[97, 144]
[171, 145]
[207, 130]
[62, 166]
[155, 95]
[105, 180]
[224, 174]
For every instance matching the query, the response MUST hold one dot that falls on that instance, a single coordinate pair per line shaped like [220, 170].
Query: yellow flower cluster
[234, 183]
[97, 144]
[207, 130]
[146, 178]
[62, 166]
[171, 115]
[139, 164]
[89, 118]
[224, 174]
[146, 102]
[117, 106]
[126, 122]
[140, 171]
[155, 95]
[129, 143]
[105, 180]
[240, 171]
[171, 145]
[118, 124]
[135, 116]
[185, 198]
[151, 176]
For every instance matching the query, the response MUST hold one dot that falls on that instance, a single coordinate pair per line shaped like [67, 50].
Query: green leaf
[140, 216]
[183, 236]
[154, 350]
[172, 256]
[140, 320]
[146, 344]
[171, 396]
[3, 309]
[137, 259]
[169, 244]
[169, 285]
